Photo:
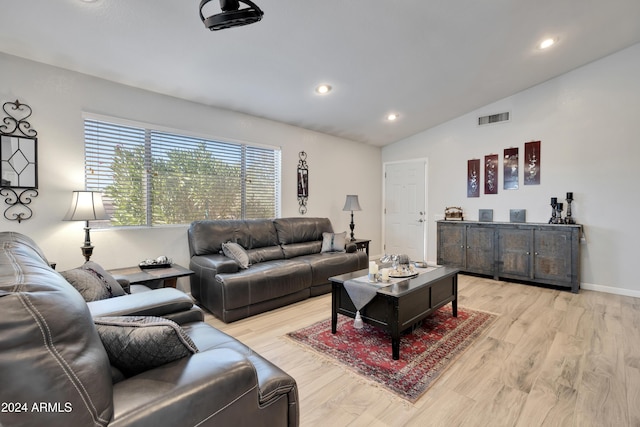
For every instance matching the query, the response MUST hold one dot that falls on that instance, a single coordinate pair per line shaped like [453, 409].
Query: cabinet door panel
[451, 243]
[514, 252]
[480, 255]
[553, 255]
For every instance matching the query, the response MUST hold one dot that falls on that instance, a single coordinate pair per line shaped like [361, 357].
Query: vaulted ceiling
[426, 60]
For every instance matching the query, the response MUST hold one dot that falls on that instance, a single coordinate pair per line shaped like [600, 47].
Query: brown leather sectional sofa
[287, 264]
[55, 371]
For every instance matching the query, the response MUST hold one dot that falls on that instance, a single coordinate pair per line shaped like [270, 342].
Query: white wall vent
[494, 118]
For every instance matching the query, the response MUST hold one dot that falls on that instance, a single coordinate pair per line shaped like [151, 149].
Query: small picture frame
[518, 215]
[485, 215]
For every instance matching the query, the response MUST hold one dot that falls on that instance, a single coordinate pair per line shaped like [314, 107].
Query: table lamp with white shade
[352, 204]
[86, 206]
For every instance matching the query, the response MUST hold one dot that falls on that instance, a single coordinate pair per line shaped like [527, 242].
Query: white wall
[588, 122]
[59, 97]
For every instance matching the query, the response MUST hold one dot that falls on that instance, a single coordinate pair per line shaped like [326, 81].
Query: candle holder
[569, 219]
[552, 220]
[559, 207]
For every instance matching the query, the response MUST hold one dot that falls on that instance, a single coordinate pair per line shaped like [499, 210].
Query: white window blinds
[151, 177]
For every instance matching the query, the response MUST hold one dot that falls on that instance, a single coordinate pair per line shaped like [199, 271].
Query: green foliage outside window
[145, 182]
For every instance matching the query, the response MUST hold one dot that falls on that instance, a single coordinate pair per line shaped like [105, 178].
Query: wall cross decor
[18, 161]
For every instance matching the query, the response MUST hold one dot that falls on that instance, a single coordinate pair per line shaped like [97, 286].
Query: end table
[362, 245]
[139, 276]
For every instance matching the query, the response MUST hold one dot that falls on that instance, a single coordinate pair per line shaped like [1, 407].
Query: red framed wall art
[491, 174]
[510, 165]
[473, 178]
[532, 163]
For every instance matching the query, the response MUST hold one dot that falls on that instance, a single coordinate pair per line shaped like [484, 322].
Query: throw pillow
[91, 288]
[135, 344]
[93, 282]
[109, 281]
[333, 242]
[236, 253]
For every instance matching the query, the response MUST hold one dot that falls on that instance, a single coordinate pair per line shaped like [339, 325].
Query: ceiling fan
[232, 15]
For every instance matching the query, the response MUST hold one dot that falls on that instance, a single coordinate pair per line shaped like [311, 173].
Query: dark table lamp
[86, 206]
[351, 204]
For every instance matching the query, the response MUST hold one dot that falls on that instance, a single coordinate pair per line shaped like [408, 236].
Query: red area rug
[425, 353]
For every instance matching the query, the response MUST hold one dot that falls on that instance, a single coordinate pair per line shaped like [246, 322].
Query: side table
[138, 276]
[362, 245]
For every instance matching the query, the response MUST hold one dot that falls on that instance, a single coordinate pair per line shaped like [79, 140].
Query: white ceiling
[428, 60]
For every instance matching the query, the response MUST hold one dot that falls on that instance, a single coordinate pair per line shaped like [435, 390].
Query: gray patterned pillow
[333, 242]
[135, 344]
[236, 253]
[93, 282]
[105, 277]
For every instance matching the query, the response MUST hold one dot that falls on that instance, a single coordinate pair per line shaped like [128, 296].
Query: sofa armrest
[194, 314]
[351, 247]
[215, 387]
[213, 264]
[154, 303]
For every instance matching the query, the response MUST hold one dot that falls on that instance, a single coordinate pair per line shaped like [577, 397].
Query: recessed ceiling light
[323, 89]
[393, 116]
[547, 43]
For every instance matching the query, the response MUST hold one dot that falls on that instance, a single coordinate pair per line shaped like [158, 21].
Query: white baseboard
[610, 290]
[583, 285]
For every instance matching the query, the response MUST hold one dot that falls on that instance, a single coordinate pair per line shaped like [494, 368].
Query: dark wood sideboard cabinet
[540, 253]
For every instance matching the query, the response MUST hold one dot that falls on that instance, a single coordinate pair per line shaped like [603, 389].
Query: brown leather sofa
[286, 264]
[55, 371]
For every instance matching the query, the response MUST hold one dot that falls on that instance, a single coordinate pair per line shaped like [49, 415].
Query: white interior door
[405, 209]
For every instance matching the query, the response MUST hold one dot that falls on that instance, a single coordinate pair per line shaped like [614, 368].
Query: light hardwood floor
[552, 358]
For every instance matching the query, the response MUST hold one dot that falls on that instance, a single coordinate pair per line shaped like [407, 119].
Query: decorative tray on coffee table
[403, 273]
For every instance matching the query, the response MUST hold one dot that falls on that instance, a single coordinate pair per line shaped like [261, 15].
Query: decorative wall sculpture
[303, 182]
[18, 161]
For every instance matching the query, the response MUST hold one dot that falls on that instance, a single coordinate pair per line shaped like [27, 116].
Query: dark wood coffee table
[399, 306]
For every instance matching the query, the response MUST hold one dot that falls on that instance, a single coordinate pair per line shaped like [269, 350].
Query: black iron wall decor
[303, 182]
[18, 161]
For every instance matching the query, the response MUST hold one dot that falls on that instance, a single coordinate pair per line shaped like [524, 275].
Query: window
[150, 177]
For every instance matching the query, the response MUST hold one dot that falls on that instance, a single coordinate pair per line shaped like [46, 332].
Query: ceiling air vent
[494, 118]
